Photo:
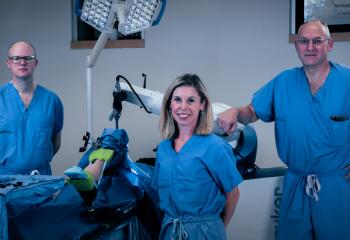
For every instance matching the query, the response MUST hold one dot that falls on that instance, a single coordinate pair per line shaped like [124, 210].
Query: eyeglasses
[18, 59]
[315, 41]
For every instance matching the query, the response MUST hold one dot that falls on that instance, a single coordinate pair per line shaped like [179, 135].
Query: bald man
[310, 106]
[31, 117]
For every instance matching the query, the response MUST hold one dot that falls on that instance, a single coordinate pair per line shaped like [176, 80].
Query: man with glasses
[31, 117]
[310, 106]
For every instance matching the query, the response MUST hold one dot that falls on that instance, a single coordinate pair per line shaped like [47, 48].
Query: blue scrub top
[26, 133]
[194, 181]
[308, 138]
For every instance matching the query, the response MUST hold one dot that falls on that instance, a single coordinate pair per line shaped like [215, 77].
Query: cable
[133, 90]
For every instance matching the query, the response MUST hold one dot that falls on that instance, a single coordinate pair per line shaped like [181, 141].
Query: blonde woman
[195, 173]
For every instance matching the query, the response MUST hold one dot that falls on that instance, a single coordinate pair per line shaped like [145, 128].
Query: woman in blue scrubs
[195, 173]
[311, 108]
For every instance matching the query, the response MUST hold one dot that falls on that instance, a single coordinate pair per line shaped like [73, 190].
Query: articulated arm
[152, 100]
[243, 140]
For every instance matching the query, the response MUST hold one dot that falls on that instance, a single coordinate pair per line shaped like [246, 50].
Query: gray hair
[322, 22]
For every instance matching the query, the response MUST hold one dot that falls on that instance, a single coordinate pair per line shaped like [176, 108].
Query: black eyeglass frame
[18, 59]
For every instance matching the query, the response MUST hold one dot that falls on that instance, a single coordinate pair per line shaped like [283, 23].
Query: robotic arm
[243, 140]
[152, 101]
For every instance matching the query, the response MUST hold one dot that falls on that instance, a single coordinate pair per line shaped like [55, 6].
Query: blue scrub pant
[304, 218]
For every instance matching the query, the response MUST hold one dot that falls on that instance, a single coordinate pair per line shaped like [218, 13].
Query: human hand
[227, 120]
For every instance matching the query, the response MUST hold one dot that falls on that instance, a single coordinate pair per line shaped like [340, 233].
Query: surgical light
[139, 15]
[97, 13]
[132, 15]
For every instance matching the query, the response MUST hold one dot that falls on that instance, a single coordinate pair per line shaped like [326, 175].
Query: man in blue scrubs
[31, 117]
[310, 106]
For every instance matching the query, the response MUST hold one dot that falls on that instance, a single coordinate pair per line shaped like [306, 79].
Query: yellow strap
[103, 154]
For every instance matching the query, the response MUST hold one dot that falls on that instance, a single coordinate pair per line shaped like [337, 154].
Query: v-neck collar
[321, 90]
[19, 99]
[184, 147]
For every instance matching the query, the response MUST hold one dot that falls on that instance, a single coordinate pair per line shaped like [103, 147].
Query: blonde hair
[167, 125]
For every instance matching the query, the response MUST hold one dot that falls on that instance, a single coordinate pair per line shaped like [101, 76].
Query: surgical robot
[243, 140]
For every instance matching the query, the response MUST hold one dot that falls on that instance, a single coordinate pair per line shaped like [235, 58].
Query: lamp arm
[99, 45]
